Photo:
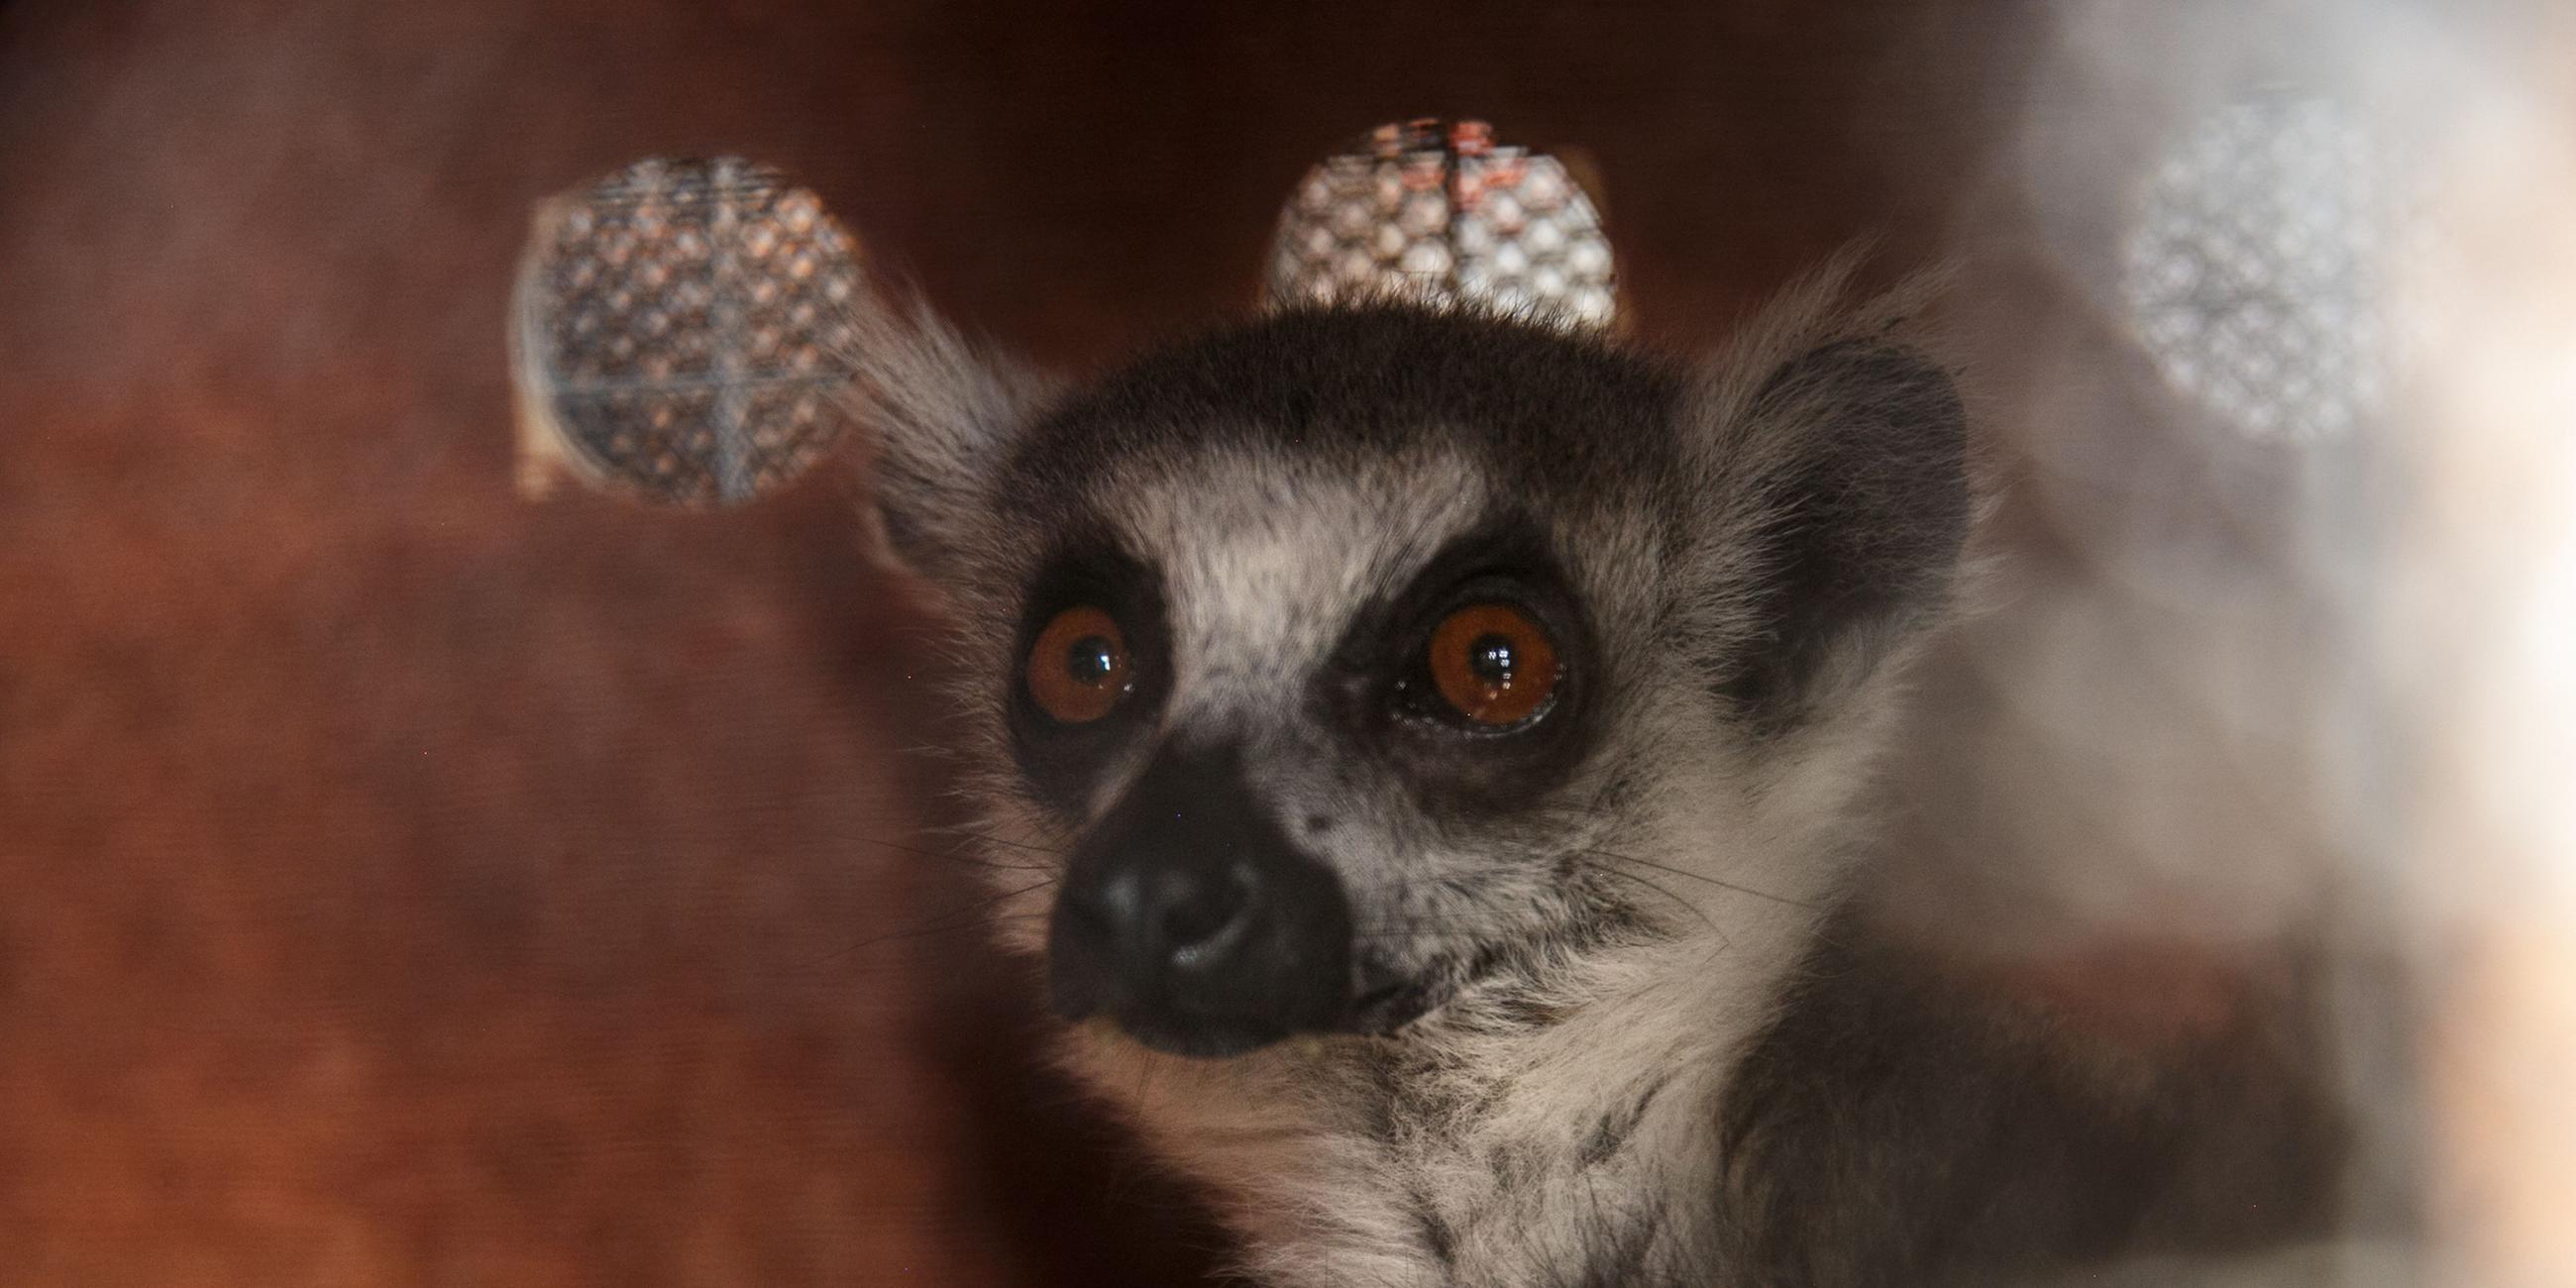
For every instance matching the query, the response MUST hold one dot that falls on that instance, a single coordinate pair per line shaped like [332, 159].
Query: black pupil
[1091, 660]
[1490, 658]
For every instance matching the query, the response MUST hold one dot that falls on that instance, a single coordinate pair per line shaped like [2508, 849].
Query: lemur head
[1337, 660]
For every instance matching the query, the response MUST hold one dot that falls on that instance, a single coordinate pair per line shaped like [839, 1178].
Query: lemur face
[1338, 660]
[1316, 693]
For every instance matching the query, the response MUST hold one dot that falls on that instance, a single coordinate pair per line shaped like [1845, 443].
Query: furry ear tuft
[945, 416]
[1843, 447]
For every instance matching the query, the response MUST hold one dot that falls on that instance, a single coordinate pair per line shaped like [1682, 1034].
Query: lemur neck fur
[1431, 1156]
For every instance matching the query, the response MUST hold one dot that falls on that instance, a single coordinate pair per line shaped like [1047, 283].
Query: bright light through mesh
[1441, 215]
[2254, 275]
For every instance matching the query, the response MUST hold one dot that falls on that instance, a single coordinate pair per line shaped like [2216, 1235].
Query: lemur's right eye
[1078, 670]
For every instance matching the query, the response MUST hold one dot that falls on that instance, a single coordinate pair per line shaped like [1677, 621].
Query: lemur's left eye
[1494, 664]
[1078, 669]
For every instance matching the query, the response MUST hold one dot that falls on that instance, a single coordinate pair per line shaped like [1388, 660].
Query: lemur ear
[1849, 499]
[945, 416]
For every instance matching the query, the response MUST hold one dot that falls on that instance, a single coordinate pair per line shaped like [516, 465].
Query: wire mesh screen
[1441, 213]
[681, 327]
[2254, 271]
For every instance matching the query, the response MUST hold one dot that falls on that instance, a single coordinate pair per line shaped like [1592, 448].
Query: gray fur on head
[1557, 942]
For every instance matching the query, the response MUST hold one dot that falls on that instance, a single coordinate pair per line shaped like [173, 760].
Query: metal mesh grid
[682, 326]
[1423, 212]
[2253, 275]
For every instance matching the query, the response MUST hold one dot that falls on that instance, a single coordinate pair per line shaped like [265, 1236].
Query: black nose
[1190, 919]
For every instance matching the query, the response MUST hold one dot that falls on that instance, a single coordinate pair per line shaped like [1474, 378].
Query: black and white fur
[1634, 1035]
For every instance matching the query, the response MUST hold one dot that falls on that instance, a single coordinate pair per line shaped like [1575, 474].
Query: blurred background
[404, 881]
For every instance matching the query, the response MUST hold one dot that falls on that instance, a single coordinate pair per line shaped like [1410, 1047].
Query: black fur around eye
[1475, 682]
[1092, 666]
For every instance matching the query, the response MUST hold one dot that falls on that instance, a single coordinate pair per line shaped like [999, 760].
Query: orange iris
[1494, 664]
[1078, 669]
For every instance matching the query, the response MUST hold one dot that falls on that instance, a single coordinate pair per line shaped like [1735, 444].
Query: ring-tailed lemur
[1446, 731]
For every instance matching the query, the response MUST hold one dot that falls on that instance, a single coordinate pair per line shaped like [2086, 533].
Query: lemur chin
[1450, 736]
